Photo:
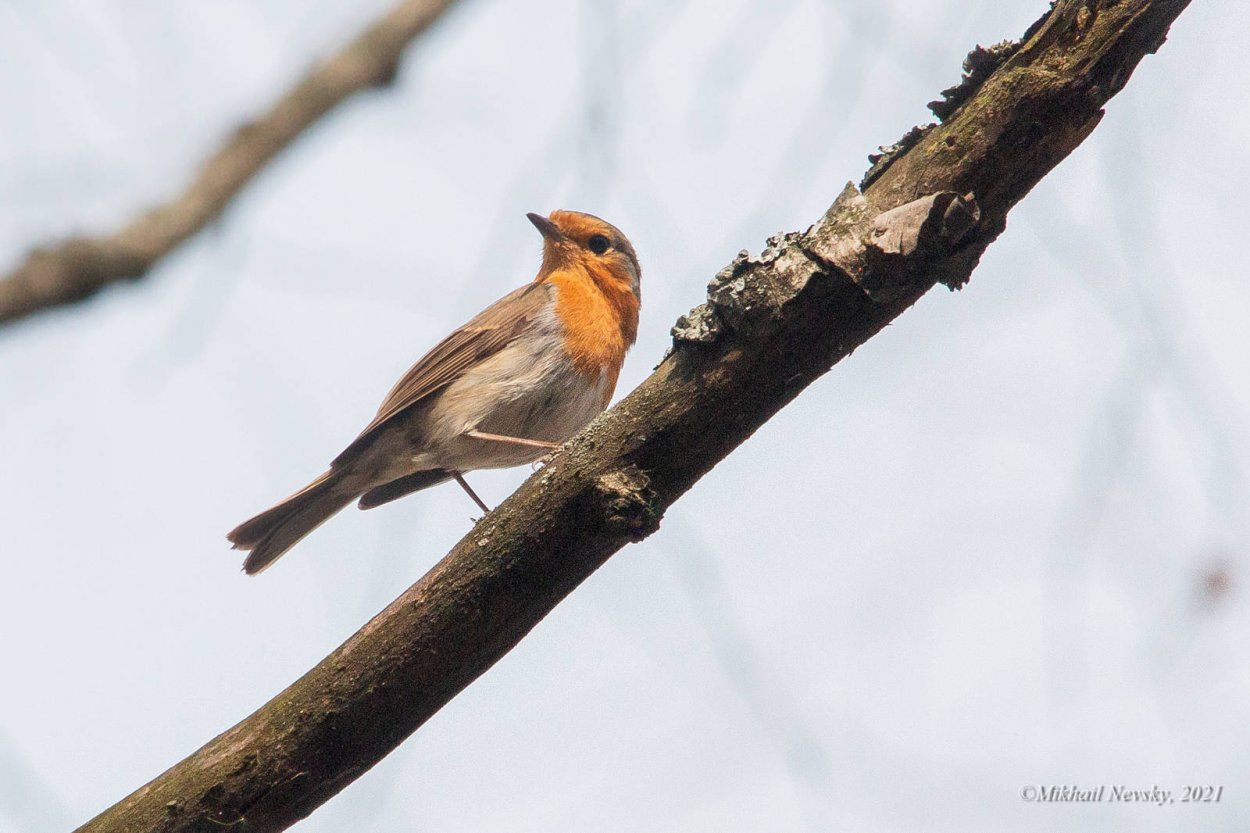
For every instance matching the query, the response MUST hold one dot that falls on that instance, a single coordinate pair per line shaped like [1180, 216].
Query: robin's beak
[546, 227]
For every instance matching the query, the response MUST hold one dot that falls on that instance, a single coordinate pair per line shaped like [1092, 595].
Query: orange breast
[600, 323]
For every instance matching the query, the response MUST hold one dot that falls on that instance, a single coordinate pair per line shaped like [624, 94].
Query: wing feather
[486, 334]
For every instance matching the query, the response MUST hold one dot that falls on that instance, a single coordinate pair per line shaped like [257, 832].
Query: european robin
[523, 376]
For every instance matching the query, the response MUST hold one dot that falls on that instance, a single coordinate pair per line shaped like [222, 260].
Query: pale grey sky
[971, 559]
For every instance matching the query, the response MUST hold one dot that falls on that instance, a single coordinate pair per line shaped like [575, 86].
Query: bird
[507, 388]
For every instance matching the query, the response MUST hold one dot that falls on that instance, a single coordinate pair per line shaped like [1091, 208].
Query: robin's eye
[598, 244]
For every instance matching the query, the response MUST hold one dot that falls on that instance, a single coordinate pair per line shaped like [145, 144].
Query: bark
[770, 326]
[77, 268]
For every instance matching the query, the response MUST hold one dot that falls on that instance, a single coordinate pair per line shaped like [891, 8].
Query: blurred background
[1005, 544]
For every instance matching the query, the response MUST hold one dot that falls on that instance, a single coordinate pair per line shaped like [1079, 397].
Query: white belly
[528, 390]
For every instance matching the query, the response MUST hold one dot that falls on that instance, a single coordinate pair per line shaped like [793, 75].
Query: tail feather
[276, 530]
[406, 485]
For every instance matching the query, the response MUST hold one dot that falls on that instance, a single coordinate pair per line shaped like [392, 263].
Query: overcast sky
[1004, 544]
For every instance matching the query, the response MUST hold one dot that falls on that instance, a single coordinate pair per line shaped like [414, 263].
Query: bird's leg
[500, 438]
[464, 484]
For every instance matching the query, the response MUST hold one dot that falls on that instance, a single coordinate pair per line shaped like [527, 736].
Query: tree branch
[79, 267]
[771, 325]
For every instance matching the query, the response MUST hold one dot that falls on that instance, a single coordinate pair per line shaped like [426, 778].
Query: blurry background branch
[771, 326]
[77, 268]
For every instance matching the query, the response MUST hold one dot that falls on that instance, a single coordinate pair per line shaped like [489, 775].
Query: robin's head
[572, 240]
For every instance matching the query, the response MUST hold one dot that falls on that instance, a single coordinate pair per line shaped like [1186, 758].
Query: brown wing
[486, 334]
